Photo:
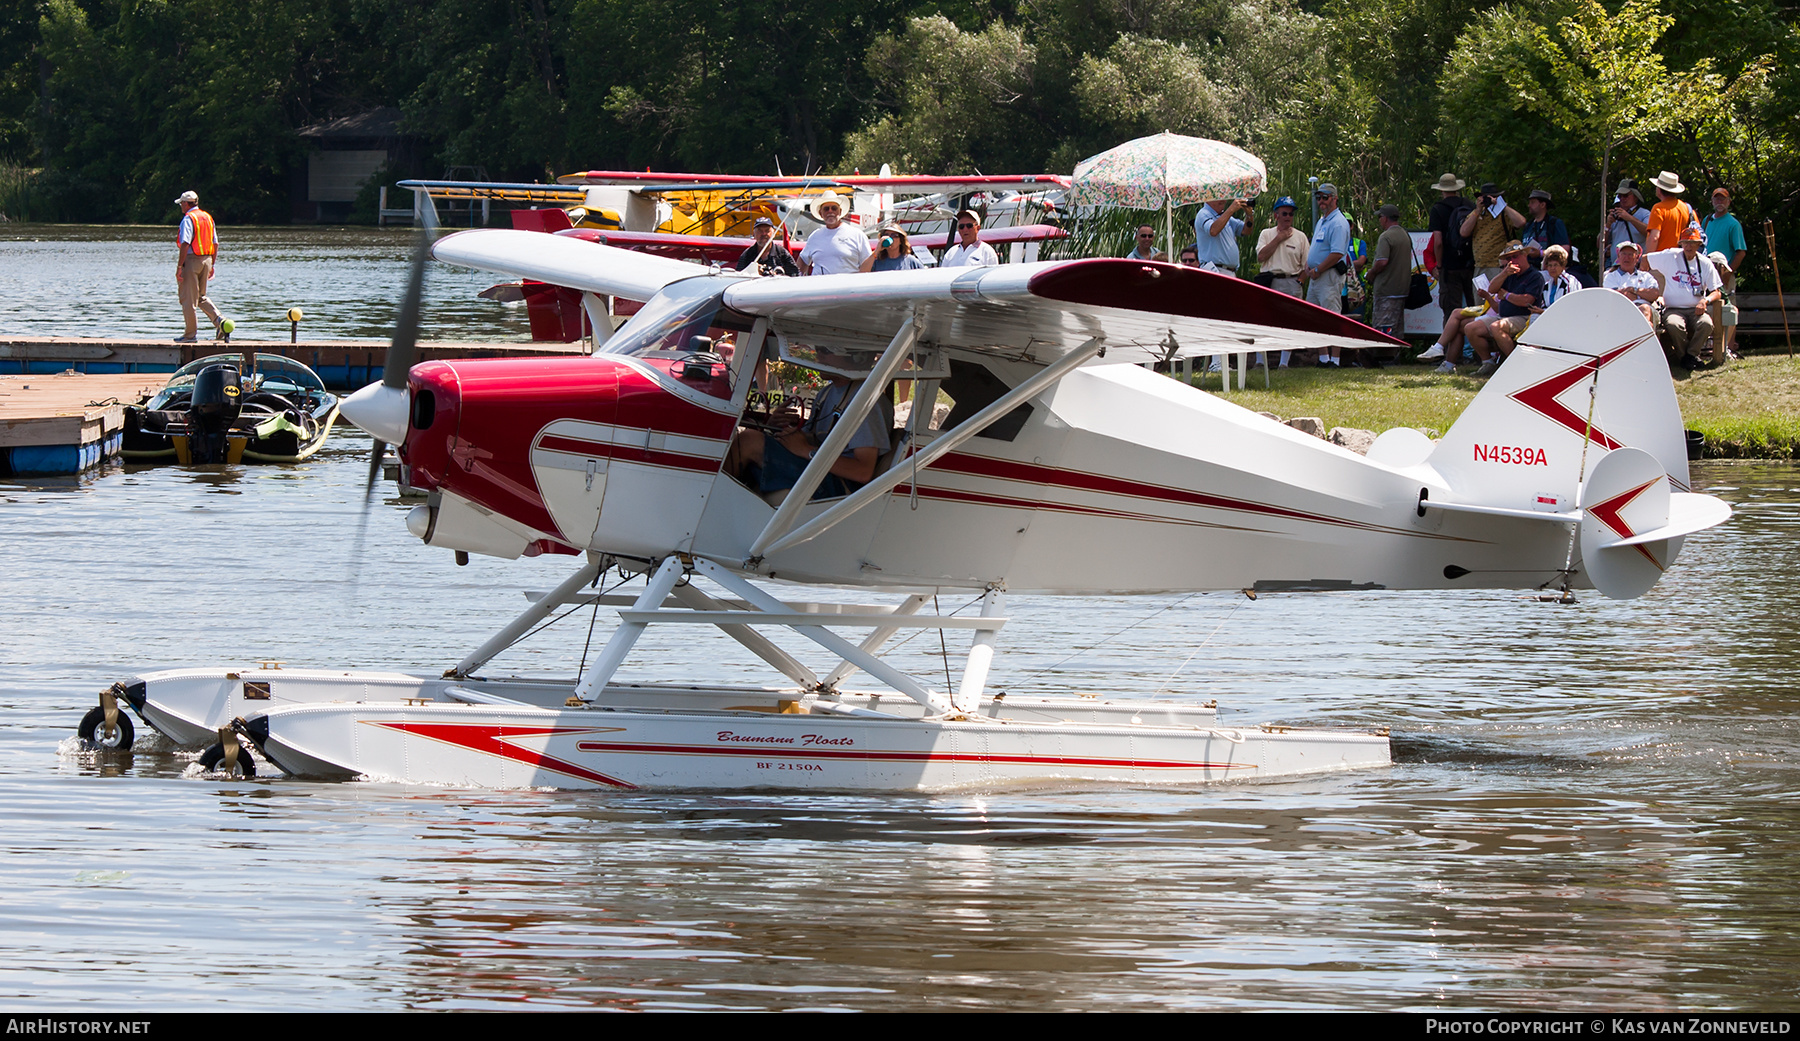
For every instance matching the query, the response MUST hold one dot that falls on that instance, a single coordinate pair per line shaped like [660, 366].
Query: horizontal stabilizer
[1632, 526]
[1688, 513]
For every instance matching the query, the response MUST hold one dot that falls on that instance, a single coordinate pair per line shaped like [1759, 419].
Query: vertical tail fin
[1587, 378]
[1583, 417]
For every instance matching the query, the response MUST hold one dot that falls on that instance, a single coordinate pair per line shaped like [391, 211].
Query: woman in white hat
[837, 248]
[893, 251]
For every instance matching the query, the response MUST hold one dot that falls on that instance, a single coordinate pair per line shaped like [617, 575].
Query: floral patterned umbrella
[1167, 170]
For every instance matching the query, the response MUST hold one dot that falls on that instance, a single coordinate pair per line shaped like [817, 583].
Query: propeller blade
[375, 456]
[402, 353]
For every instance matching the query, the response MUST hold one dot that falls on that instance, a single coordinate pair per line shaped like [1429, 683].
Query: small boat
[211, 411]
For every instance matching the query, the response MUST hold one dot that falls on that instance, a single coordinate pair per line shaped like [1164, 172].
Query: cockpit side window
[974, 387]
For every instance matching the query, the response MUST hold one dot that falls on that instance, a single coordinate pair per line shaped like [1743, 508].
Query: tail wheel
[93, 730]
[213, 756]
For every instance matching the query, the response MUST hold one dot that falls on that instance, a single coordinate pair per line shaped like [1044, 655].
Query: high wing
[997, 236]
[1027, 312]
[560, 260]
[1038, 312]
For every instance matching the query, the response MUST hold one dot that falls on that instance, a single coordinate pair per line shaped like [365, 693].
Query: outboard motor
[214, 409]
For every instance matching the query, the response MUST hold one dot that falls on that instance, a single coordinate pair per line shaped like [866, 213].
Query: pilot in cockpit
[772, 460]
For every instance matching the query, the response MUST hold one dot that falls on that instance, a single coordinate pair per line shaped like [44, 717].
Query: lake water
[1591, 808]
[75, 280]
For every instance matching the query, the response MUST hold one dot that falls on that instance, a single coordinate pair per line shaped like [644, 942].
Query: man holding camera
[1216, 231]
[1488, 227]
[1627, 221]
[769, 256]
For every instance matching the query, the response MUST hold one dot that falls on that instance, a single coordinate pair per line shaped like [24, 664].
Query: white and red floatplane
[1064, 468]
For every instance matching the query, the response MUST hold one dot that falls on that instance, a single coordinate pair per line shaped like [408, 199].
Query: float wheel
[93, 730]
[212, 757]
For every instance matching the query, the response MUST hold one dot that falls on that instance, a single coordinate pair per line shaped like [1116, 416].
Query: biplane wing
[1038, 312]
[499, 191]
[897, 185]
[725, 249]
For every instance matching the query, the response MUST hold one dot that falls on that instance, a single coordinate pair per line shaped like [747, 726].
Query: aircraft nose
[379, 409]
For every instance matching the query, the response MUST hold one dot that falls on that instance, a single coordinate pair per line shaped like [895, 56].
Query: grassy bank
[1748, 410]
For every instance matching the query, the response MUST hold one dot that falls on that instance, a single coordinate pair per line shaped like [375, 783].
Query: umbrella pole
[1169, 228]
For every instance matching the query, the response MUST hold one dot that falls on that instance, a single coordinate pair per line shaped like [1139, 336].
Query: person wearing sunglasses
[1146, 246]
[969, 250]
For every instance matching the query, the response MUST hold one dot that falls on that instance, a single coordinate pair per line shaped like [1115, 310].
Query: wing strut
[855, 413]
[902, 469]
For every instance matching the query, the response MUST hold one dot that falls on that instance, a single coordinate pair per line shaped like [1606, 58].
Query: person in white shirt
[969, 251]
[837, 248]
[1634, 281]
[1558, 283]
[1690, 285]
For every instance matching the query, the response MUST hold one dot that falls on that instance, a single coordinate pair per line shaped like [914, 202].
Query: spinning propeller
[381, 408]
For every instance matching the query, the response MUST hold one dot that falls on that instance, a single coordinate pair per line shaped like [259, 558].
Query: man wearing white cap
[968, 250]
[1631, 279]
[837, 248]
[1690, 286]
[196, 248]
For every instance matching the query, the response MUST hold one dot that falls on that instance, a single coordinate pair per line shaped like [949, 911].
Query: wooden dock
[67, 422]
[342, 364]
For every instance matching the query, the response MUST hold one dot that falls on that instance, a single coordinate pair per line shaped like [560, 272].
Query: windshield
[686, 332]
[273, 368]
[274, 373]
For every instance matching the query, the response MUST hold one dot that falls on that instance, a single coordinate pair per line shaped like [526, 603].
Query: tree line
[108, 108]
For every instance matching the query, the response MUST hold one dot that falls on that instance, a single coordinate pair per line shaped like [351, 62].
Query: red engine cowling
[473, 425]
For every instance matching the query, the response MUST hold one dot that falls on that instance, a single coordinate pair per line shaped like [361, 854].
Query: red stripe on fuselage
[602, 450]
[1033, 473]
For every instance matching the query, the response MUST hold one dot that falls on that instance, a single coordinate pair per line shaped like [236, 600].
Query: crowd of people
[1495, 268]
[841, 247]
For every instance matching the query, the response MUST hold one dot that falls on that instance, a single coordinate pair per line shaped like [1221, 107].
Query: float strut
[626, 635]
[981, 656]
[531, 616]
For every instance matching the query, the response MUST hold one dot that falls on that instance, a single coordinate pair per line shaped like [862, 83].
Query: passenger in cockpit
[773, 460]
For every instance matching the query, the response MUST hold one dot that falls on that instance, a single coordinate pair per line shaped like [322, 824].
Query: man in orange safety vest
[196, 247]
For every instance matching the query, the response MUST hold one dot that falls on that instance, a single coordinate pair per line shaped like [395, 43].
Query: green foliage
[18, 78]
[1143, 86]
[145, 100]
[685, 84]
[1607, 83]
[962, 100]
[120, 104]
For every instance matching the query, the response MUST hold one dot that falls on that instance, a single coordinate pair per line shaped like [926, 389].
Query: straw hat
[827, 199]
[1670, 183]
[1448, 183]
